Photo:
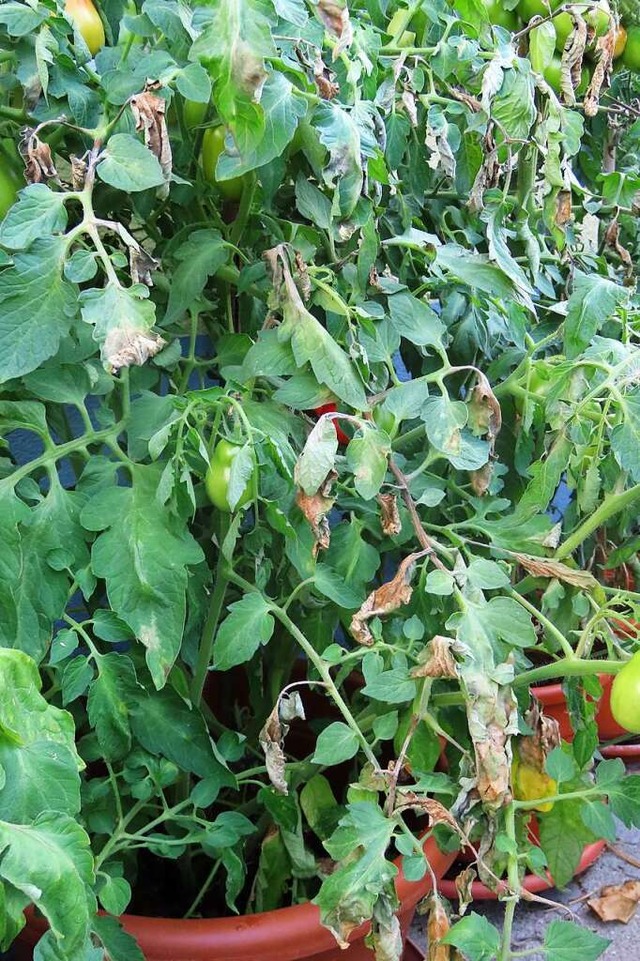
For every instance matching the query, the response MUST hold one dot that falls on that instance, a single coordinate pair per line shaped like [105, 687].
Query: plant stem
[612, 504]
[513, 878]
[546, 623]
[209, 629]
[205, 887]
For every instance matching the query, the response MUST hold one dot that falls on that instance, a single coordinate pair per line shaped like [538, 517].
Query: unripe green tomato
[553, 76]
[625, 696]
[194, 113]
[631, 55]
[536, 8]
[563, 25]
[87, 22]
[218, 475]
[500, 17]
[407, 38]
[8, 191]
[599, 17]
[212, 147]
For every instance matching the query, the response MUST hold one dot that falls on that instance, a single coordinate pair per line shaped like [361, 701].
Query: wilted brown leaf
[463, 883]
[390, 515]
[325, 80]
[149, 114]
[542, 567]
[315, 508]
[437, 660]
[438, 924]
[78, 171]
[273, 733]
[385, 599]
[335, 16]
[572, 57]
[612, 239]
[534, 749]
[564, 210]
[38, 162]
[141, 264]
[124, 346]
[601, 75]
[492, 718]
[438, 813]
[485, 416]
[481, 479]
[617, 902]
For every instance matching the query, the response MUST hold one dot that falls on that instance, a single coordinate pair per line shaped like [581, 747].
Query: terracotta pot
[531, 882]
[288, 934]
[553, 700]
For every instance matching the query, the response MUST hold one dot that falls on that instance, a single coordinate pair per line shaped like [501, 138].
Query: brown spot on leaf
[149, 114]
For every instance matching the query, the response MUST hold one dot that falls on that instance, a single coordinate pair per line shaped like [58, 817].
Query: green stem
[612, 504]
[209, 629]
[513, 878]
[546, 623]
[551, 799]
[205, 887]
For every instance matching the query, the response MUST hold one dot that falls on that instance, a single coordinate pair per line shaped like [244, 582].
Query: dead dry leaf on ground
[617, 902]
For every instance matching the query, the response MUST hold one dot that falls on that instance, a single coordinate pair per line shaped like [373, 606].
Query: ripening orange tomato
[87, 22]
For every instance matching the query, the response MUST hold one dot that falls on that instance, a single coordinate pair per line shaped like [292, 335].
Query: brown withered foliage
[315, 508]
[438, 924]
[141, 264]
[601, 75]
[463, 883]
[334, 14]
[78, 171]
[389, 514]
[149, 114]
[564, 209]
[437, 659]
[544, 567]
[617, 902]
[572, 57]
[534, 749]
[385, 599]
[125, 346]
[485, 415]
[437, 812]
[273, 733]
[38, 162]
[612, 239]
[325, 80]
[481, 479]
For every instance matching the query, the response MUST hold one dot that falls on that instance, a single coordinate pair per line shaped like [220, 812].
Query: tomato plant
[8, 189]
[239, 632]
[631, 53]
[536, 8]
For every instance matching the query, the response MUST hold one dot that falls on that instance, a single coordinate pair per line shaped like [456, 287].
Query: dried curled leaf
[492, 718]
[612, 239]
[124, 346]
[617, 902]
[38, 162]
[271, 737]
[485, 415]
[601, 75]
[385, 599]
[389, 514]
[141, 264]
[438, 814]
[463, 883]
[325, 80]
[315, 508]
[78, 171]
[572, 57]
[335, 16]
[542, 567]
[437, 659]
[481, 479]
[438, 924]
[534, 749]
[149, 114]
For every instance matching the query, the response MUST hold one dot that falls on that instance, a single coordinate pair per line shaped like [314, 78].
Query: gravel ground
[532, 919]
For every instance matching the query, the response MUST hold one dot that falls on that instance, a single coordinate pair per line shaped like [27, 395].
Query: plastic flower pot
[554, 703]
[531, 882]
[287, 934]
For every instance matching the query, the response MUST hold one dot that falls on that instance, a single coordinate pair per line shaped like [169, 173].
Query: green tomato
[385, 420]
[212, 147]
[553, 76]
[8, 191]
[631, 55]
[500, 17]
[536, 8]
[563, 24]
[625, 696]
[194, 113]
[218, 475]
[87, 22]
[599, 17]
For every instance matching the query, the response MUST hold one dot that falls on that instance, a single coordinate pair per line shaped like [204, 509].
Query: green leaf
[114, 893]
[340, 135]
[38, 212]
[200, 257]
[513, 109]
[144, 554]
[122, 320]
[563, 836]
[274, 872]
[560, 766]
[194, 83]
[117, 942]
[165, 726]
[597, 817]
[312, 203]
[248, 625]
[51, 862]
[20, 19]
[128, 165]
[474, 270]
[319, 806]
[318, 456]
[416, 321]
[367, 456]
[567, 941]
[76, 677]
[333, 585]
[37, 746]
[625, 437]
[624, 800]
[110, 695]
[337, 743]
[36, 307]
[486, 575]
[593, 301]
[476, 937]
